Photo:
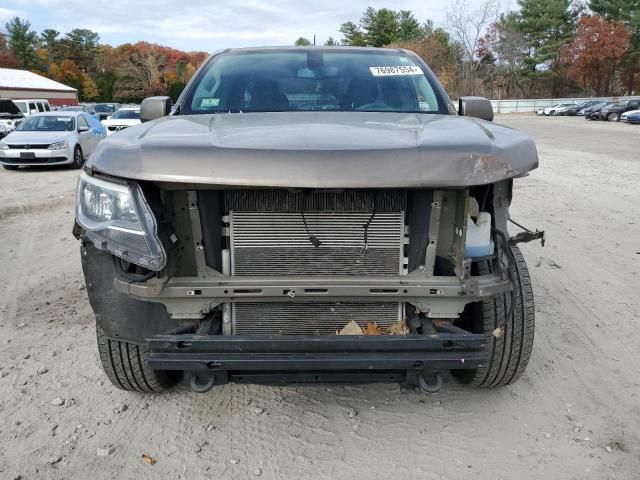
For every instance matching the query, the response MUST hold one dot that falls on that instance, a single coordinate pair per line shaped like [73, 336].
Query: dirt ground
[574, 415]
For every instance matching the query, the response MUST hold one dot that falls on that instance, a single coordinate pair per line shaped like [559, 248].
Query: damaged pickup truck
[308, 215]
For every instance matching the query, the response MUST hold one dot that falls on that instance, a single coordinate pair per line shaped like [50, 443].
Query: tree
[89, 88]
[49, 42]
[81, 46]
[547, 26]
[381, 27]
[302, 42]
[628, 12]
[508, 48]
[7, 59]
[353, 36]
[596, 51]
[22, 42]
[468, 27]
[331, 42]
[439, 52]
[409, 29]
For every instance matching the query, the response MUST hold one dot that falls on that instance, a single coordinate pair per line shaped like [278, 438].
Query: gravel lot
[574, 415]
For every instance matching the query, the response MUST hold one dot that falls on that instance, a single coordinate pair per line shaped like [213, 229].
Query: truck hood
[318, 150]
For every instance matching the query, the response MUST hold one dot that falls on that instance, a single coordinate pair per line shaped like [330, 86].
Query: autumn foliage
[596, 51]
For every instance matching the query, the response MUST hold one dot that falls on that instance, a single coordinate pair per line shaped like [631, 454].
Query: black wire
[365, 235]
[313, 239]
[511, 272]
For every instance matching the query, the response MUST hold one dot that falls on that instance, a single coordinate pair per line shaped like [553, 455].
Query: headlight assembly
[117, 219]
[4, 146]
[58, 145]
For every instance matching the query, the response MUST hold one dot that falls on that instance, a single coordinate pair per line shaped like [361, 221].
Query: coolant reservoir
[479, 243]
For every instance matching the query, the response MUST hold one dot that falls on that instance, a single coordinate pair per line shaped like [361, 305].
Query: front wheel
[509, 341]
[126, 365]
[78, 158]
[613, 117]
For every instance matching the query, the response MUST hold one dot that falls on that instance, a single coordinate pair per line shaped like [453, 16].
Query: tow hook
[434, 385]
[527, 235]
[202, 383]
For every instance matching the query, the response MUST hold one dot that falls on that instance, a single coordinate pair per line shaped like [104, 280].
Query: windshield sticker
[209, 102]
[398, 70]
[63, 119]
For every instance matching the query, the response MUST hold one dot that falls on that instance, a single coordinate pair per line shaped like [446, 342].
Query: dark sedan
[594, 112]
[613, 112]
[573, 111]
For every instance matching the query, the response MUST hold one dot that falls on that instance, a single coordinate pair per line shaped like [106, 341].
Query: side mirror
[477, 107]
[154, 107]
[83, 128]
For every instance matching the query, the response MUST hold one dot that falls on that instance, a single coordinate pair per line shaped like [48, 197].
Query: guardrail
[531, 105]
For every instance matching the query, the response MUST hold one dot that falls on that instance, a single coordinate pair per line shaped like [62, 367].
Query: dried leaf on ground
[351, 328]
[372, 329]
[398, 328]
[149, 459]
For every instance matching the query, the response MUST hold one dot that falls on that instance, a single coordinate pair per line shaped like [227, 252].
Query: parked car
[32, 106]
[10, 116]
[574, 111]
[634, 118]
[626, 116]
[594, 112]
[77, 108]
[613, 112]
[123, 117]
[560, 107]
[308, 214]
[104, 110]
[52, 138]
[596, 106]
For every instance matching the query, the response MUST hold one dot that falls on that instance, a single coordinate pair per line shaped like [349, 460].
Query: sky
[209, 25]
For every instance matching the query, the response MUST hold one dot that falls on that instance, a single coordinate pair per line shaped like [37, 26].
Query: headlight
[117, 219]
[4, 146]
[58, 145]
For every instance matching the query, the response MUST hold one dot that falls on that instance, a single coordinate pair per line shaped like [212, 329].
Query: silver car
[52, 138]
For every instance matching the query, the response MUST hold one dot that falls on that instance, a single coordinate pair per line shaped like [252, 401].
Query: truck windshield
[314, 80]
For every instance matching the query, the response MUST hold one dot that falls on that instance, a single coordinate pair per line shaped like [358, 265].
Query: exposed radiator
[309, 318]
[274, 232]
[278, 243]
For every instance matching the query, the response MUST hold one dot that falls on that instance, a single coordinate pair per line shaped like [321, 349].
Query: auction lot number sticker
[399, 70]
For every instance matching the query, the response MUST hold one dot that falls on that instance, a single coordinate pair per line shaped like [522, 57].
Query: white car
[124, 117]
[10, 116]
[52, 138]
[554, 109]
[625, 115]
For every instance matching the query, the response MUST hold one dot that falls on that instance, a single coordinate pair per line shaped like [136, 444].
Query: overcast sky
[208, 24]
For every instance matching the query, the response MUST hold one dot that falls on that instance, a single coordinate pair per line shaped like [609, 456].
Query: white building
[19, 84]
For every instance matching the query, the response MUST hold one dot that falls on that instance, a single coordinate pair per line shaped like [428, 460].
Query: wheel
[613, 117]
[507, 355]
[126, 365]
[552, 113]
[78, 158]
[10, 167]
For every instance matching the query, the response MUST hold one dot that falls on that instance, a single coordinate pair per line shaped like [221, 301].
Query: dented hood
[318, 150]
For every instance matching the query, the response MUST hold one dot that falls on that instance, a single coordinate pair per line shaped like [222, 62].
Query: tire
[613, 117]
[508, 355]
[78, 158]
[126, 365]
[10, 167]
